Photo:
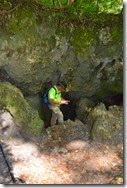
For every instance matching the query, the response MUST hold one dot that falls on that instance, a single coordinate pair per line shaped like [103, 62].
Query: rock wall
[88, 57]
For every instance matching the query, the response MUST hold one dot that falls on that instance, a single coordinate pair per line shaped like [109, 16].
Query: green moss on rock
[82, 39]
[12, 99]
[22, 21]
[107, 125]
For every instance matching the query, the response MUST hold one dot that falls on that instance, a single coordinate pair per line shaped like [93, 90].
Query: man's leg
[53, 118]
[56, 114]
[60, 117]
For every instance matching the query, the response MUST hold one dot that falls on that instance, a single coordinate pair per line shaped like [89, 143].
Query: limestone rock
[107, 125]
[13, 101]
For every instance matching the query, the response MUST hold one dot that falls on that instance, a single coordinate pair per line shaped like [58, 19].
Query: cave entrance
[114, 99]
[68, 111]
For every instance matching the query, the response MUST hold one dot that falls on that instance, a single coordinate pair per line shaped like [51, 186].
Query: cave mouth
[69, 111]
[114, 99]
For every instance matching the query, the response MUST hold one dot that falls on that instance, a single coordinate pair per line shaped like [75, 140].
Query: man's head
[61, 85]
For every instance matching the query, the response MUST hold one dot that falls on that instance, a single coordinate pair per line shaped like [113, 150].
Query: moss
[36, 125]
[82, 39]
[117, 32]
[12, 99]
[21, 22]
[107, 124]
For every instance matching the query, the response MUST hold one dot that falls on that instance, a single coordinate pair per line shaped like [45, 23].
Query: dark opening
[68, 111]
[46, 115]
[113, 100]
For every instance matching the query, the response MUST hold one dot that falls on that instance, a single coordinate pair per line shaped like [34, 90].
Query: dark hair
[62, 83]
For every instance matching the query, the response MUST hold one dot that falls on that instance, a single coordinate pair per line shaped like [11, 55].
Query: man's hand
[63, 101]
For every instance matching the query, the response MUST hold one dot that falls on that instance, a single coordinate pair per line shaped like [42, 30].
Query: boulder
[26, 117]
[83, 107]
[107, 125]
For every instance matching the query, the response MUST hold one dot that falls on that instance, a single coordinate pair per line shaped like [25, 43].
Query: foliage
[86, 6]
[113, 6]
[62, 9]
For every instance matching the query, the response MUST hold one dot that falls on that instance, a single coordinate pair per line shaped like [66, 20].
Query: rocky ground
[65, 156]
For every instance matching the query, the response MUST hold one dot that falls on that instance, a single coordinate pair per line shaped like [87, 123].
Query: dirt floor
[63, 158]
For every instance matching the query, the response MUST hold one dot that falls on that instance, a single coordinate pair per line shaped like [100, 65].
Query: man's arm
[63, 101]
[52, 101]
[51, 97]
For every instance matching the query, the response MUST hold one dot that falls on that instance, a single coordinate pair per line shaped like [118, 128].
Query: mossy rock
[25, 116]
[107, 125]
[83, 107]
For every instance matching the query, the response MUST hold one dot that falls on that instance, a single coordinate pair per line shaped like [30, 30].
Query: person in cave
[55, 100]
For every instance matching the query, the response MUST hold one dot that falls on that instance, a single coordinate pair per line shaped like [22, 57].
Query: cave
[68, 111]
[113, 99]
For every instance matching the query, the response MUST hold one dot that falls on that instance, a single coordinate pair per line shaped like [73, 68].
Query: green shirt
[54, 94]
